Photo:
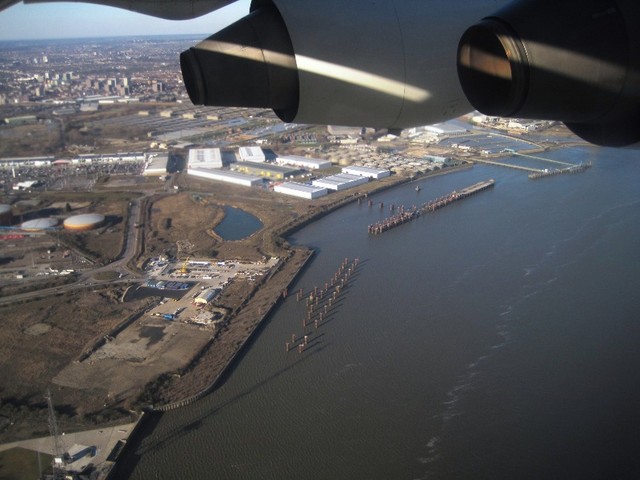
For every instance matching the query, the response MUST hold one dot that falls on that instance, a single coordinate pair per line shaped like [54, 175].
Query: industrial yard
[110, 329]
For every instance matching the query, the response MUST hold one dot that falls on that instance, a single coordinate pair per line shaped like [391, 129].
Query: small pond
[237, 224]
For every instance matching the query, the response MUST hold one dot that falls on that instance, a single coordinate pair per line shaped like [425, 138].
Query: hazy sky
[71, 20]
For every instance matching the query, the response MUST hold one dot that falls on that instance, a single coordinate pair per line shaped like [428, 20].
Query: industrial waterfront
[496, 338]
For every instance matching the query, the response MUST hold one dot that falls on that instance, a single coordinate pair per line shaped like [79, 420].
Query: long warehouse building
[226, 176]
[301, 190]
[340, 182]
[205, 158]
[265, 170]
[366, 172]
[303, 162]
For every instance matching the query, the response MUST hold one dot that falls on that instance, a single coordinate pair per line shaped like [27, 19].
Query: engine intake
[576, 61]
[248, 64]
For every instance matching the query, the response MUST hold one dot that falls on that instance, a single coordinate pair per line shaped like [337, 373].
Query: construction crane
[184, 270]
[59, 453]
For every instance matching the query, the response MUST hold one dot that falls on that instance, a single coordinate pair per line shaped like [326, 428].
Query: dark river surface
[498, 338]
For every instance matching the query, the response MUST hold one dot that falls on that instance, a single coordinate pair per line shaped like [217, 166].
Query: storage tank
[88, 221]
[40, 224]
[5, 215]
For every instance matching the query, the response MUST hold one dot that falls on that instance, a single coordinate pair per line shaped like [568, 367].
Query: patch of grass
[106, 275]
[22, 464]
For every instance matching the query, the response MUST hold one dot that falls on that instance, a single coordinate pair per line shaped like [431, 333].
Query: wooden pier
[404, 215]
[507, 165]
[560, 171]
[535, 173]
[558, 162]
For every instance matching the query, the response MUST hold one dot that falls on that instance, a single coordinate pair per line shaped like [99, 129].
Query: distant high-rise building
[45, 59]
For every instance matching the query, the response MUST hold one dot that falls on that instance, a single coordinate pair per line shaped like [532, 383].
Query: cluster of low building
[253, 169]
[209, 275]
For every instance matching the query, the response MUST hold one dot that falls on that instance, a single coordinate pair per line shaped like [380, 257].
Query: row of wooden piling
[406, 215]
[320, 302]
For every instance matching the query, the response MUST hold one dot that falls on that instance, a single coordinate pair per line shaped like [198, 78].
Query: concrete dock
[103, 442]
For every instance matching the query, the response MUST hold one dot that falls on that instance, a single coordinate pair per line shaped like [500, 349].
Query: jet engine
[386, 63]
[577, 61]
[392, 63]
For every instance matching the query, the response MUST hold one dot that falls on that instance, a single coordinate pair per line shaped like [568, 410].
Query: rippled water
[495, 339]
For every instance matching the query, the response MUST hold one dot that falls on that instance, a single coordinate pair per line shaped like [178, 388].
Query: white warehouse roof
[366, 172]
[303, 162]
[301, 190]
[251, 154]
[205, 158]
[339, 182]
[206, 296]
[446, 128]
[226, 176]
[157, 165]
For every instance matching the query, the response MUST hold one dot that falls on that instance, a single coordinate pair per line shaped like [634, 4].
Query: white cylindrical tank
[87, 221]
[40, 224]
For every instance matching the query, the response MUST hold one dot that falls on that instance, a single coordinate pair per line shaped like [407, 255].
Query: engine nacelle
[577, 61]
[385, 64]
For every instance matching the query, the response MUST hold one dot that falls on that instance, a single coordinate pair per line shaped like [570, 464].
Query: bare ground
[40, 338]
[44, 339]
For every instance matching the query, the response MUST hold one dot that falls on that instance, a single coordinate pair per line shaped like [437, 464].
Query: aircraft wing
[397, 64]
[168, 9]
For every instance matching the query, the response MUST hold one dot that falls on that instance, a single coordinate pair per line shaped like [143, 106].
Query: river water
[497, 338]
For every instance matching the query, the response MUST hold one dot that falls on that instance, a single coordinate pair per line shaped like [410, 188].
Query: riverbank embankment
[211, 364]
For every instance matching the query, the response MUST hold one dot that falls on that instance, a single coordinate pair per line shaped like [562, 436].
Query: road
[87, 278]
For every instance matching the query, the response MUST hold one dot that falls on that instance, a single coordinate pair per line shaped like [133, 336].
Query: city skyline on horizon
[63, 20]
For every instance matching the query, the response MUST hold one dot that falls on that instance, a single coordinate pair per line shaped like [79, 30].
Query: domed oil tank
[84, 222]
[40, 224]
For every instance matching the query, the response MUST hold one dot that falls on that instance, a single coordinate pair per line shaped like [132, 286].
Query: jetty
[507, 165]
[560, 171]
[406, 215]
[535, 173]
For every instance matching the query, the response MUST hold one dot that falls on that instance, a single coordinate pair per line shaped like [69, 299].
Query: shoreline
[217, 360]
[290, 276]
[151, 417]
[200, 359]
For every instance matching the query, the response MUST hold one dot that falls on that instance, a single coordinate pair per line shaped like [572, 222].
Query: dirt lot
[44, 339]
[135, 357]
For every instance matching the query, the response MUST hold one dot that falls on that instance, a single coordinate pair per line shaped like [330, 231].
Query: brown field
[40, 338]
[43, 339]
